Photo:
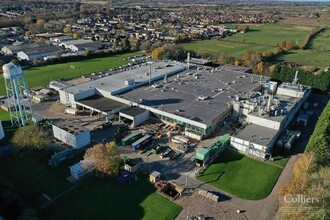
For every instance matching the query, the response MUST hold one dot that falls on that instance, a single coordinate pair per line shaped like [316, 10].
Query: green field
[261, 37]
[317, 54]
[91, 199]
[214, 46]
[241, 176]
[37, 76]
[97, 199]
[4, 116]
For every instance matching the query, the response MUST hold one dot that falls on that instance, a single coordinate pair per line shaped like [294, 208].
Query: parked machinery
[287, 139]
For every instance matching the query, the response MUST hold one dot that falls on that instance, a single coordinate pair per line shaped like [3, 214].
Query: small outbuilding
[154, 176]
[133, 165]
[81, 169]
[72, 134]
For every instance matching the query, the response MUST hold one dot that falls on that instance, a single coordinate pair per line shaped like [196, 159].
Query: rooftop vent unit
[155, 86]
[203, 98]
[129, 82]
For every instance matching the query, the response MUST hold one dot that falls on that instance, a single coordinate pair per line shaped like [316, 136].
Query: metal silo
[18, 95]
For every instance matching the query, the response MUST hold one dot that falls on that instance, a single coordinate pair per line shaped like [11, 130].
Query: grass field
[4, 116]
[97, 199]
[37, 76]
[241, 176]
[317, 54]
[261, 37]
[92, 199]
[214, 46]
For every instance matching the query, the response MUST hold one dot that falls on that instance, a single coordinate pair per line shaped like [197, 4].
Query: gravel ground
[199, 205]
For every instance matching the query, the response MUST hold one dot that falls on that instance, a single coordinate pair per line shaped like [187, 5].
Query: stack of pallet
[209, 195]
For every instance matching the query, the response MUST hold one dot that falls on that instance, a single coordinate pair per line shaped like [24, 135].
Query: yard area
[37, 76]
[93, 198]
[261, 37]
[317, 54]
[241, 176]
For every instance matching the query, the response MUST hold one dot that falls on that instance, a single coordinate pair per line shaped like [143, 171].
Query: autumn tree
[41, 21]
[289, 44]
[242, 28]
[106, 159]
[76, 35]
[310, 181]
[67, 30]
[169, 51]
[30, 137]
[237, 63]
[157, 54]
[260, 67]
[271, 68]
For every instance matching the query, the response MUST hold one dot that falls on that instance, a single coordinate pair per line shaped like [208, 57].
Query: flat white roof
[116, 82]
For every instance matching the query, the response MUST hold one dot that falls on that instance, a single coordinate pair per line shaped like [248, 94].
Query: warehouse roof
[180, 95]
[72, 127]
[235, 68]
[116, 82]
[101, 103]
[257, 134]
[134, 111]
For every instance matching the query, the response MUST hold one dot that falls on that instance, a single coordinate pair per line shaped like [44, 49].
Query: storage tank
[12, 71]
[290, 142]
[2, 133]
[16, 89]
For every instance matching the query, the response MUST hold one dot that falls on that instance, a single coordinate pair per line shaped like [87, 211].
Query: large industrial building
[198, 100]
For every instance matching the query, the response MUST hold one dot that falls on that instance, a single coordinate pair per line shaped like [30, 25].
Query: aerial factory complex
[198, 99]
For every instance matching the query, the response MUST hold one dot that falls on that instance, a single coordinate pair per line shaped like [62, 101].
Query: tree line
[319, 143]
[311, 177]
[319, 81]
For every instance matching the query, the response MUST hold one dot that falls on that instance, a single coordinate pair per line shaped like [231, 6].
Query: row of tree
[310, 36]
[319, 143]
[169, 52]
[319, 81]
[311, 177]
[307, 194]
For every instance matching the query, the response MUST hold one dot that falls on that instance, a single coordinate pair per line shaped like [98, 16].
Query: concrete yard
[197, 205]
